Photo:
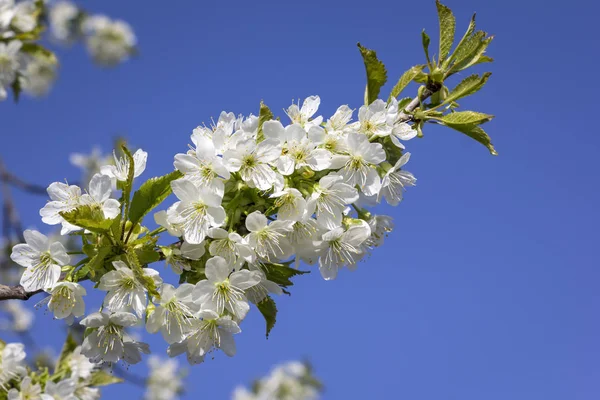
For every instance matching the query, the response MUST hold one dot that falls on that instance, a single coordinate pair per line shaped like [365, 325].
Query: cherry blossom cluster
[255, 198]
[27, 65]
[75, 377]
[289, 381]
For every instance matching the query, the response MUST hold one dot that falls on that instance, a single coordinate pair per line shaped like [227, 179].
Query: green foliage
[281, 274]
[37, 50]
[62, 365]
[95, 264]
[447, 27]
[376, 74]
[404, 102]
[268, 309]
[264, 114]
[425, 40]
[466, 118]
[468, 86]
[147, 254]
[477, 45]
[103, 378]
[475, 132]
[150, 195]
[90, 217]
[404, 80]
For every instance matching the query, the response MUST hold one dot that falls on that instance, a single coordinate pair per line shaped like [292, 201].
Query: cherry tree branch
[429, 90]
[14, 180]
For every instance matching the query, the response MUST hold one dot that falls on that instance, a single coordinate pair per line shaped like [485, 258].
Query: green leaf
[147, 255]
[264, 115]
[404, 102]
[466, 118]
[39, 51]
[89, 217]
[96, 263]
[473, 57]
[150, 195]
[281, 274]
[376, 74]
[268, 309]
[477, 133]
[425, 40]
[103, 378]
[65, 353]
[466, 36]
[467, 87]
[447, 27]
[404, 80]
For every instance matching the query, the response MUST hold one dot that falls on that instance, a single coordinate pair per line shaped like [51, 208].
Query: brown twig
[14, 180]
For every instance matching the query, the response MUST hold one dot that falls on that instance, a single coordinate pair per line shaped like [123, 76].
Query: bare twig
[14, 180]
[430, 89]
[16, 292]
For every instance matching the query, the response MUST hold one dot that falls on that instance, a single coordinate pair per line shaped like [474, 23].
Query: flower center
[249, 161]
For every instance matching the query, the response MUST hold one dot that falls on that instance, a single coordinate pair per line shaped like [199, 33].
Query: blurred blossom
[109, 42]
[90, 163]
[18, 317]
[164, 380]
[290, 381]
[62, 18]
[39, 76]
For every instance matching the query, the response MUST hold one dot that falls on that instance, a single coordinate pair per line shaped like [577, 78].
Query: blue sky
[487, 289]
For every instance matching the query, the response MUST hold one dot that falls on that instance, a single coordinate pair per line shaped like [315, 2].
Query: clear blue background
[487, 289]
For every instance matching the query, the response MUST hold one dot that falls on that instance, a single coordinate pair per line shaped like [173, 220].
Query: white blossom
[99, 196]
[63, 198]
[80, 365]
[329, 199]
[164, 379]
[290, 204]
[109, 42]
[63, 390]
[20, 317]
[269, 241]
[10, 64]
[198, 210]
[179, 258]
[372, 120]
[125, 291]
[395, 181]
[105, 342]
[66, 301]
[231, 246]
[302, 116]
[342, 248]
[402, 131]
[120, 170]
[61, 18]
[174, 313]
[12, 363]
[27, 391]
[203, 166]
[212, 331]
[42, 258]
[253, 162]
[358, 166]
[224, 290]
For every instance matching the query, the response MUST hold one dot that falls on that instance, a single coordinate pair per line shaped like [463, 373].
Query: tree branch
[11, 179]
[16, 292]
[430, 89]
